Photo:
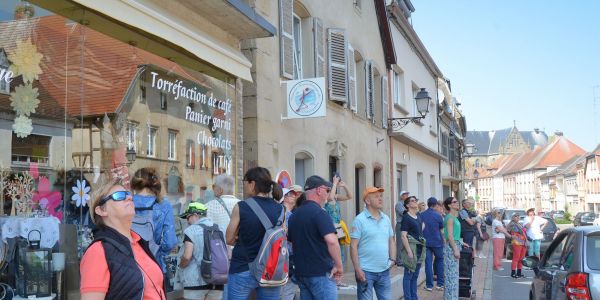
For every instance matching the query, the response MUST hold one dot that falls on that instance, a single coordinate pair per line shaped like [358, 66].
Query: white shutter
[338, 84]
[319, 47]
[369, 89]
[351, 79]
[384, 101]
[286, 38]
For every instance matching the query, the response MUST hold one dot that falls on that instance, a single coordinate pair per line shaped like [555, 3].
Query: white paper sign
[306, 98]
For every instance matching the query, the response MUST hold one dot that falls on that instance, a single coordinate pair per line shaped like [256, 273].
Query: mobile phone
[337, 174]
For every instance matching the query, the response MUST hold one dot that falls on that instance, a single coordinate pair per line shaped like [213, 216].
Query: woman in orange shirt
[118, 264]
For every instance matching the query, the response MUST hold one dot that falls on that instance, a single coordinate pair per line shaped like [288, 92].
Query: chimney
[558, 133]
[24, 11]
[537, 130]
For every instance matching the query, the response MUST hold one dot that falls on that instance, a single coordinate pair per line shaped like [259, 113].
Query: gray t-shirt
[399, 211]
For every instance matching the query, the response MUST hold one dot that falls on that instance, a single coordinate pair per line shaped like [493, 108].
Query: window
[303, 167]
[398, 88]
[337, 62]
[151, 149]
[5, 73]
[163, 100]
[444, 144]
[451, 148]
[384, 101]
[359, 186]
[400, 179]
[421, 185]
[132, 129]
[142, 89]
[377, 180]
[333, 166]
[593, 251]
[4, 86]
[477, 163]
[432, 189]
[31, 149]
[369, 89]
[553, 258]
[297, 30]
[190, 154]
[172, 151]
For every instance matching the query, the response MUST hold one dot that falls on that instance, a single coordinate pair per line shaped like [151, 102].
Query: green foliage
[562, 221]
[567, 216]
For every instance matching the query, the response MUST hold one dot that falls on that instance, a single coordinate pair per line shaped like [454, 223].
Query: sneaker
[428, 289]
[439, 288]
[482, 256]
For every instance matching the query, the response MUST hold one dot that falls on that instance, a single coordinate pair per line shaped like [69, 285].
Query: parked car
[584, 219]
[597, 221]
[557, 214]
[571, 268]
[550, 231]
[509, 212]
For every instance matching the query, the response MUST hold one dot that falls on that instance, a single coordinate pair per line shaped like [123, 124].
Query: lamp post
[422, 101]
[469, 149]
[131, 155]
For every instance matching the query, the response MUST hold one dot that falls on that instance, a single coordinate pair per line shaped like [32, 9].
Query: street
[507, 288]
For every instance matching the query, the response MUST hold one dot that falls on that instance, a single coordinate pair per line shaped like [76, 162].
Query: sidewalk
[396, 274]
[482, 279]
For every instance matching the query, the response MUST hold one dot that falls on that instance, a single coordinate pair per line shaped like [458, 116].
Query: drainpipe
[392, 165]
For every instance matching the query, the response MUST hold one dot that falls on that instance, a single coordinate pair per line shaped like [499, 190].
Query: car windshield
[593, 252]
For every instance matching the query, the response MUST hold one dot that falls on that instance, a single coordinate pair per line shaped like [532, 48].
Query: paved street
[507, 288]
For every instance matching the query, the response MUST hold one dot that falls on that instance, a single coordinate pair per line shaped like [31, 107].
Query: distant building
[591, 175]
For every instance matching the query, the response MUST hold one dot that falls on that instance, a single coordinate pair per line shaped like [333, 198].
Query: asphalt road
[508, 288]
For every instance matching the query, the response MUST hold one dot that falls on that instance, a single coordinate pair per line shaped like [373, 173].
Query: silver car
[570, 268]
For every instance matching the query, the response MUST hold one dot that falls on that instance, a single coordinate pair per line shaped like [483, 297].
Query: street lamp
[469, 149]
[422, 101]
[131, 155]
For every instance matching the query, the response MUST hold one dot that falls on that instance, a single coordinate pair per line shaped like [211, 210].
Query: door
[566, 262]
[550, 264]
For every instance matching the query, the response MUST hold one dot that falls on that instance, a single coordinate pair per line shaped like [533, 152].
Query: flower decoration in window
[81, 193]
[22, 126]
[26, 60]
[24, 100]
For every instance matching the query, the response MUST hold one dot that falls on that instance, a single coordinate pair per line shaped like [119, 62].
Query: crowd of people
[229, 255]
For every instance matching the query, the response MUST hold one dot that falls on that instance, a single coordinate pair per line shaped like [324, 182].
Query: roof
[567, 168]
[101, 77]
[489, 142]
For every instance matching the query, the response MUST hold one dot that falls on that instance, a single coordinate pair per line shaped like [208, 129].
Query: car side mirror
[532, 262]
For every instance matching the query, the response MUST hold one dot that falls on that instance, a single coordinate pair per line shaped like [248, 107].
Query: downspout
[392, 167]
[437, 115]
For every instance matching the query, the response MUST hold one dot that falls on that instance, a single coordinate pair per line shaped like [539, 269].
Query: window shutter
[286, 38]
[384, 101]
[351, 79]
[369, 89]
[338, 84]
[319, 45]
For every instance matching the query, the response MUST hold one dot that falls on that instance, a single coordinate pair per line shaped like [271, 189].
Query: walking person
[399, 209]
[290, 199]
[519, 245]
[317, 258]
[434, 241]
[147, 197]
[414, 247]
[451, 248]
[481, 237]
[118, 264]
[535, 231]
[499, 234]
[467, 222]
[372, 236]
[194, 286]
[245, 232]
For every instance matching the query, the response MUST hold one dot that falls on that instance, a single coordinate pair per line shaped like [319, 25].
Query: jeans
[437, 264]
[317, 288]
[380, 281]
[399, 245]
[240, 286]
[534, 247]
[409, 283]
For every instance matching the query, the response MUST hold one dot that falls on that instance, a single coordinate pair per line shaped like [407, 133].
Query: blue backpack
[214, 267]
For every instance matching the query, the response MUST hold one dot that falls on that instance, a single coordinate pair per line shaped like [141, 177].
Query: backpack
[143, 225]
[488, 219]
[214, 267]
[271, 265]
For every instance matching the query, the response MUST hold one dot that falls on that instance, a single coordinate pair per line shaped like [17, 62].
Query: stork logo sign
[305, 98]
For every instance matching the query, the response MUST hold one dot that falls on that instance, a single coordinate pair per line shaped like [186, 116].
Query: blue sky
[535, 62]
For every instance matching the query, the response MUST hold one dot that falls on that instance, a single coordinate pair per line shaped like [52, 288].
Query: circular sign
[305, 98]
[283, 178]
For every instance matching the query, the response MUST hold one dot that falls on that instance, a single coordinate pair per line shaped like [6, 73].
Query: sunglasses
[116, 196]
[454, 201]
[326, 188]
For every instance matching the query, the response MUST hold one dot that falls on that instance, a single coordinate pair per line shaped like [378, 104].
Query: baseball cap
[371, 190]
[194, 208]
[431, 202]
[404, 192]
[292, 188]
[315, 181]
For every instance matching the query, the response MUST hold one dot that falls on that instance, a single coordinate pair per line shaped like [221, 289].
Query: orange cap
[371, 190]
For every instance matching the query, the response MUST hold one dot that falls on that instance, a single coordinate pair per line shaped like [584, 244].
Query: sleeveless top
[456, 233]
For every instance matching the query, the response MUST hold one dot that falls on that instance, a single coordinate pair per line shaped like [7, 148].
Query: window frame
[297, 46]
[151, 146]
[132, 142]
[190, 153]
[172, 144]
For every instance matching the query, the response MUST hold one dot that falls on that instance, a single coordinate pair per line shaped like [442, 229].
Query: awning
[147, 25]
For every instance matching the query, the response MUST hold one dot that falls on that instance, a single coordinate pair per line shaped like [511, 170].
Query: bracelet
[392, 260]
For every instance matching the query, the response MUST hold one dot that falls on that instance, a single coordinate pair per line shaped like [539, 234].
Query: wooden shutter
[384, 101]
[338, 84]
[319, 47]
[369, 89]
[351, 79]
[286, 38]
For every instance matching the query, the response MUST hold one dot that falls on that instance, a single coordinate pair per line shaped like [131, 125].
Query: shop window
[31, 149]
[172, 151]
[190, 154]
[151, 147]
[132, 132]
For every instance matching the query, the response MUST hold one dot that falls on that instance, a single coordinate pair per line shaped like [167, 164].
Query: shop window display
[77, 105]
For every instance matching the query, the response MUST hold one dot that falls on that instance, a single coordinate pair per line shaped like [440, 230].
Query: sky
[534, 62]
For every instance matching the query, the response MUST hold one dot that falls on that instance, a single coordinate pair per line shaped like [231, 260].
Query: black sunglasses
[116, 196]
